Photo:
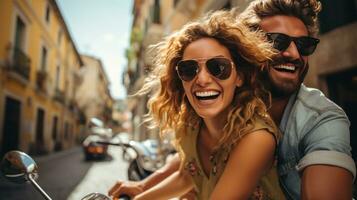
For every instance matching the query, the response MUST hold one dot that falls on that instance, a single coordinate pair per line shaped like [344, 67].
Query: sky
[101, 28]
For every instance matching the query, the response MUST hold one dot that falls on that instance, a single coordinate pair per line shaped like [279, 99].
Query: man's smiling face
[288, 70]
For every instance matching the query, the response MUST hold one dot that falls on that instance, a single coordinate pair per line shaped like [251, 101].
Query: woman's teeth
[207, 95]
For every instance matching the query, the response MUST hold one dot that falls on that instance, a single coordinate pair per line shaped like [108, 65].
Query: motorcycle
[18, 167]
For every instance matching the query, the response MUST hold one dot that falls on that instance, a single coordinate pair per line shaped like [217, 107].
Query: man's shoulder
[311, 108]
[313, 100]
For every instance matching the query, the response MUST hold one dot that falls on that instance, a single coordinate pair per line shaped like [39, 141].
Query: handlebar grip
[124, 197]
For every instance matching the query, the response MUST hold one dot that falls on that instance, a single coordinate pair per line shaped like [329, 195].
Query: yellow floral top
[268, 187]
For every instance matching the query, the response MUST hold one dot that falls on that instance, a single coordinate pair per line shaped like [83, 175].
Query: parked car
[94, 150]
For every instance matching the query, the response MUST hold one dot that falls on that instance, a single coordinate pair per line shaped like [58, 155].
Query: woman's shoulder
[267, 125]
[261, 133]
[263, 122]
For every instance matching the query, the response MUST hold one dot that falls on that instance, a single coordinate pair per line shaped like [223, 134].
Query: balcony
[21, 64]
[41, 77]
[59, 96]
[72, 106]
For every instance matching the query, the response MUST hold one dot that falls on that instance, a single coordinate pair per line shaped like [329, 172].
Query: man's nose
[291, 51]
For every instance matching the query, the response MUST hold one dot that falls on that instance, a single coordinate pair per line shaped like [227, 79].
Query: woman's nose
[203, 76]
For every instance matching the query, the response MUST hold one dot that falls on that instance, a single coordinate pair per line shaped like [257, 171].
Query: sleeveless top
[268, 186]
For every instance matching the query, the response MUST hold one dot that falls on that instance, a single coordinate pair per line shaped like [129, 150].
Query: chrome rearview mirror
[18, 167]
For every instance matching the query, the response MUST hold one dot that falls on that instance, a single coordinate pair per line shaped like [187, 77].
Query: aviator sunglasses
[305, 45]
[218, 67]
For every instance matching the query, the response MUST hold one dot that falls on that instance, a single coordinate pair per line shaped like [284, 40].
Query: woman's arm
[248, 161]
[175, 185]
[133, 188]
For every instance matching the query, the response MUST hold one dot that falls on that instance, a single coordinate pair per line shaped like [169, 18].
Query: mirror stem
[38, 188]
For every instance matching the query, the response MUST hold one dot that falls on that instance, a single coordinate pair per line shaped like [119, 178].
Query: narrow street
[102, 175]
[66, 175]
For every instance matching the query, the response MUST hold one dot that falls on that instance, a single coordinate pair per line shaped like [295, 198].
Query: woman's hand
[191, 195]
[130, 188]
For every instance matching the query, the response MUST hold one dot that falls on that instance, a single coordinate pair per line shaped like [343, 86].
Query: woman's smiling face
[209, 96]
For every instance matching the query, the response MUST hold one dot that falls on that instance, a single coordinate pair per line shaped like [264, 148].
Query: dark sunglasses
[305, 45]
[218, 67]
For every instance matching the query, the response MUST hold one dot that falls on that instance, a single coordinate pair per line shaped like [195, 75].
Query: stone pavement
[102, 175]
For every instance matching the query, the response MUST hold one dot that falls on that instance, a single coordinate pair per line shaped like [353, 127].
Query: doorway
[40, 121]
[11, 126]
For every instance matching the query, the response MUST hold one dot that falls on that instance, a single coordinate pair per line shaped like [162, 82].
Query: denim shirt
[315, 131]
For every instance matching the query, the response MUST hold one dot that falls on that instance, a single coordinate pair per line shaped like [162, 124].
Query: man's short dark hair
[305, 10]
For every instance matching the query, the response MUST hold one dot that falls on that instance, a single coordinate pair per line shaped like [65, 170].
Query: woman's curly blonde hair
[170, 110]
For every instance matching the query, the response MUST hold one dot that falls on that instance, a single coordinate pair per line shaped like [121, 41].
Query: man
[314, 159]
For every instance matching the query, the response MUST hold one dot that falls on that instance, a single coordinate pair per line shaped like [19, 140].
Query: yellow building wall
[38, 34]
[5, 15]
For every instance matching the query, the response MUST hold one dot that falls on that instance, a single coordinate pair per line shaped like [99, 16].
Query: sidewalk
[102, 175]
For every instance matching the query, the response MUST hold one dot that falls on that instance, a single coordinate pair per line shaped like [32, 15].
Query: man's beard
[283, 89]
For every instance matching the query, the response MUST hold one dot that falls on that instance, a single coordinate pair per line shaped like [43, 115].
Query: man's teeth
[285, 67]
[207, 94]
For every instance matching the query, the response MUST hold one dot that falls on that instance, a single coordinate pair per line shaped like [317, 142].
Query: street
[66, 175]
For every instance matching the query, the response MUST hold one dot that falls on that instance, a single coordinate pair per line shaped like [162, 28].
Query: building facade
[38, 78]
[93, 96]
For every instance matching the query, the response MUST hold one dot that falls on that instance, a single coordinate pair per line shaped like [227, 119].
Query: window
[44, 59]
[48, 13]
[175, 3]
[40, 125]
[156, 12]
[146, 26]
[66, 86]
[59, 37]
[20, 61]
[337, 13]
[66, 131]
[20, 33]
[58, 71]
[71, 131]
[227, 6]
[54, 127]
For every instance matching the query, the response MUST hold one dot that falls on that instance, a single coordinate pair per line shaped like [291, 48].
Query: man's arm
[327, 167]
[326, 182]
[132, 188]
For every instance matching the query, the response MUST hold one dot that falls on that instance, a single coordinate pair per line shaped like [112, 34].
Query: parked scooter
[142, 162]
[18, 167]
[144, 157]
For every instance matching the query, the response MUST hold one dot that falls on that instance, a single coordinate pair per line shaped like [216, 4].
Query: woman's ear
[239, 81]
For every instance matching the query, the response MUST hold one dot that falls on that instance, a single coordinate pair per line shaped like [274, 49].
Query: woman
[207, 93]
